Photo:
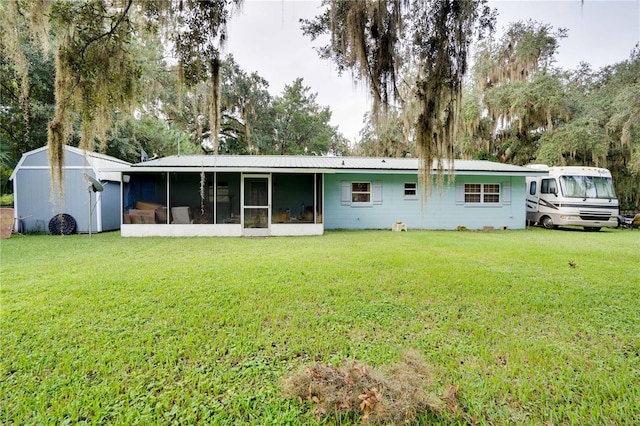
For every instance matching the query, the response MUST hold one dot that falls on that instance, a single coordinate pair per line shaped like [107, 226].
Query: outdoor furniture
[139, 216]
[629, 221]
[159, 210]
[181, 215]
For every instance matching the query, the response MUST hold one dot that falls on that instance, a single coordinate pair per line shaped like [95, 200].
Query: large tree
[391, 132]
[371, 38]
[302, 125]
[26, 100]
[247, 114]
[384, 137]
[604, 126]
[515, 94]
[96, 67]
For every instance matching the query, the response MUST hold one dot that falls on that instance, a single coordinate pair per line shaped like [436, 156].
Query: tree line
[168, 117]
[519, 108]
[124, 75]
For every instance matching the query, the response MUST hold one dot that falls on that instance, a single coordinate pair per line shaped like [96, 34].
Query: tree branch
[111, 31]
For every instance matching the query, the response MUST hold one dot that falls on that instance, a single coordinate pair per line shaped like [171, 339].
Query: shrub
[6, 200]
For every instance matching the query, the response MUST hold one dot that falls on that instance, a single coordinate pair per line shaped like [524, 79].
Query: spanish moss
[372, 38]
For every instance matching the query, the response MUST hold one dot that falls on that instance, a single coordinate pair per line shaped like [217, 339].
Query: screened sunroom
[165, 199]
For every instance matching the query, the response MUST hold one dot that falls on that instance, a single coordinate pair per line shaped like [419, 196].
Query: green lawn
[202, 330]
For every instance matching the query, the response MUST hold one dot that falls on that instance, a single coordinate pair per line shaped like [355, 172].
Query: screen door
[256, 215]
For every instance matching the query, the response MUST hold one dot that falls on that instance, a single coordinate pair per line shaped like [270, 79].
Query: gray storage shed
[35, 203]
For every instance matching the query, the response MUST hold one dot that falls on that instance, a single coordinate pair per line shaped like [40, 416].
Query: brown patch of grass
[394, 394]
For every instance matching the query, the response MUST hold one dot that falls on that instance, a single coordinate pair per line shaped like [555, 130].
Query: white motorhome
[575, 195]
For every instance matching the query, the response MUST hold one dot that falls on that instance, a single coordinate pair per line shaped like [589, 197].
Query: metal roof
[105, 166]
[298, 163]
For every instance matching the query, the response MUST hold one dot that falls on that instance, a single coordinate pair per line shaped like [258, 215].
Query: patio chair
[629, 221]
[181, 215]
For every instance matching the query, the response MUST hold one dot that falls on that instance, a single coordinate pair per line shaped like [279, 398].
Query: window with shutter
[478, 193]
[361, 192]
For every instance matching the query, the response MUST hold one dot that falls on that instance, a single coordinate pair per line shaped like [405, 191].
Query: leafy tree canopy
[247, 111]
[373, 39]
[96, 66]
[519, 109]
[302, 126]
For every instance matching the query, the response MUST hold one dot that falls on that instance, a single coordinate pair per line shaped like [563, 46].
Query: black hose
[62, 224]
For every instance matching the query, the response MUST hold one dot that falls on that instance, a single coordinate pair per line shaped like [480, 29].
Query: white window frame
[375, 193]
[354, 193]
[410, 191]
[483, 194]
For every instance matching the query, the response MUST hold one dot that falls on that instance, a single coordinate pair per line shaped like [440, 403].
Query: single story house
[36, 202]
[219, 195]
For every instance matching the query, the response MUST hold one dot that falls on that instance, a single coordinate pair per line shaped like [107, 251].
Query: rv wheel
[547, 222]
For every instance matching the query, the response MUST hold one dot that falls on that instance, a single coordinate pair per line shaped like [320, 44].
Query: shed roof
[104, 166]
[297, 163]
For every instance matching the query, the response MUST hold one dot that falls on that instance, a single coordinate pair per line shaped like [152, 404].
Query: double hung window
[360, 192]
[481, 193]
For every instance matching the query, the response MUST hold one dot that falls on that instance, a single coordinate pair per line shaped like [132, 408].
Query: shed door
[256, 205]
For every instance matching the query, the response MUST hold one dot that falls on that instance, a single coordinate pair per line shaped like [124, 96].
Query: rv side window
[548, 186]
[533, 187]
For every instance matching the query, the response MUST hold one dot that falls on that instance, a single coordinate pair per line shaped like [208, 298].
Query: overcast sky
[265, 37]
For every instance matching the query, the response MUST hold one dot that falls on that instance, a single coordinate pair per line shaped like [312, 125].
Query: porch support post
[168, 203]
[215, 198]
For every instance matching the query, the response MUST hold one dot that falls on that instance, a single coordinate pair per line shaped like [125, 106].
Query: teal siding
[443, 210]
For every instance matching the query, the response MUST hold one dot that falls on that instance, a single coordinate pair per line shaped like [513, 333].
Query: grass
[202, 330]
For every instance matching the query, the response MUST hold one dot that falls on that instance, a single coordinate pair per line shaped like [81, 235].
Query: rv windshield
[587, 187]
